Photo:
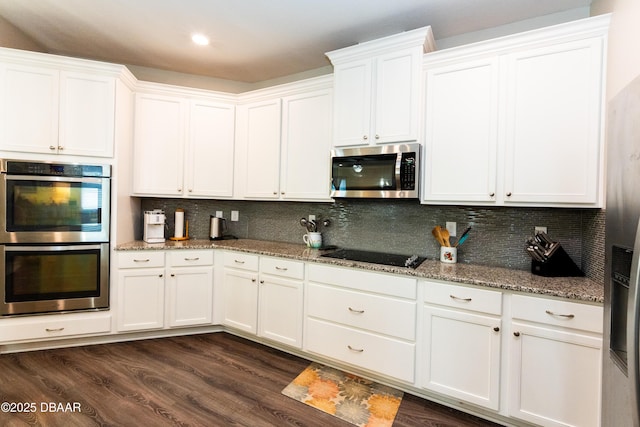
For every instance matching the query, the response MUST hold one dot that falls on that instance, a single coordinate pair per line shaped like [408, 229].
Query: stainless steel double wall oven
[54, 237]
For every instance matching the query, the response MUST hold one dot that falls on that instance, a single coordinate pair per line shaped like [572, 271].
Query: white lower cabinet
[362, 318]
[54, 326]
[148, 299]
[555, 362]
[263, 296]
[461, 343]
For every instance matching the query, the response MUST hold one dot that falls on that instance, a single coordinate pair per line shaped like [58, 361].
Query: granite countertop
[575, 288]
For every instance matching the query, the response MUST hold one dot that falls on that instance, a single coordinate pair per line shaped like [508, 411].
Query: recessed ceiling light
[200, 39]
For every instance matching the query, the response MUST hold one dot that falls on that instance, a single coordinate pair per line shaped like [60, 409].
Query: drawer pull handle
[356, 311]
[54, 329]
[237, 261]
[567, 316]
[281, 268]
[192, 259]
[357, 350]
[141, 260]
[460, 299]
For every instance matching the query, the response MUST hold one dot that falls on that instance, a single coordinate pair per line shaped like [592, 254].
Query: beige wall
[623, 63]
[12, 37]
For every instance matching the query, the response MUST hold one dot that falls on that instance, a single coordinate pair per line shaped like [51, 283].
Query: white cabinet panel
[209, 160]
[141, 299]
[461, 125]
[158, 145]
[462, 355]
[554, 99]
[241, 300]
[306, 143]
[280, 310]
[87, 114]
[352, 108]
[190, 296]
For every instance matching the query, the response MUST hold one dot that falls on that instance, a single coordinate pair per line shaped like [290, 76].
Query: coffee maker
[154, 226]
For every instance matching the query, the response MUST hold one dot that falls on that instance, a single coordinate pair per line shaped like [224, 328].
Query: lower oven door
[45, 279]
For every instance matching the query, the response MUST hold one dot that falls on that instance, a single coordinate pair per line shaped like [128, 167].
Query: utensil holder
[559, 264]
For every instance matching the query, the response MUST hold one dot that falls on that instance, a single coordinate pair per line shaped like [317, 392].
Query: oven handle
[92, 180]
[52, 248]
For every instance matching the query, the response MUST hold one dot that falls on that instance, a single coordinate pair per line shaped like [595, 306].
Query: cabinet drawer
[380, 314]
[558, 313]
[374, 352]
[182, 258]
[282, 267]
[140, 259]
[463, 297]
[55, 326]
[241, 260]
[380, 283]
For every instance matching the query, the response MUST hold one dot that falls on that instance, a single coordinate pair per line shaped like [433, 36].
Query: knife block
[559, 264]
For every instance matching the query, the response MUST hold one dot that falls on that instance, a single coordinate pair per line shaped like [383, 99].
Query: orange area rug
[353, 399]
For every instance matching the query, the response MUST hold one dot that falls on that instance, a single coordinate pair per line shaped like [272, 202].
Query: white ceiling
[251, 40]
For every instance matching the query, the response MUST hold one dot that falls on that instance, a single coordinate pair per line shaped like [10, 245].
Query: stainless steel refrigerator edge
[619, 392]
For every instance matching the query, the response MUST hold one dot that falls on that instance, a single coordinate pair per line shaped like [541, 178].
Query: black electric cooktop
[411, 261]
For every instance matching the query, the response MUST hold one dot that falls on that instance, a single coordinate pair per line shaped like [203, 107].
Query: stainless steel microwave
[385, 171]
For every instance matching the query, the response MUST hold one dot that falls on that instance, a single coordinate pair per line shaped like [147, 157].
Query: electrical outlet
[538, 229]
[219, 214]
[234, 215]
[312, 217]
[451, 228]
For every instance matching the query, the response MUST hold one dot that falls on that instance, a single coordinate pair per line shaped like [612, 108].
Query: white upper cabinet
[518, 121]
[461, 159]
[183, 146]
[306, 142]
[283, 141]
[66, 108]
[158, 150]
[553, 123]
[377, 89]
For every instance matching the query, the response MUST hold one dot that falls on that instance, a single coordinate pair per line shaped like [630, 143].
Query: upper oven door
[52, 209]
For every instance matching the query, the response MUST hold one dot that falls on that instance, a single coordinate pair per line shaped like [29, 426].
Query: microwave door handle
[633, 336]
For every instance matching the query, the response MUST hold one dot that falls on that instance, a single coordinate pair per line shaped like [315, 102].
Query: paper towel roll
[179, 221]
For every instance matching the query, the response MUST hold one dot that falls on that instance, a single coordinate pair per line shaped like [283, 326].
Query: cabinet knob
[160, 275]
[52, 147]
[179, 190]
[173, 275]
[365, 137]
[492, 194]
[516, 334]
[262, 282]
[60, 147]
[253, 280]
[377, 136]
[191, 190]
[275, 193]
[496, 329]
[509, 194]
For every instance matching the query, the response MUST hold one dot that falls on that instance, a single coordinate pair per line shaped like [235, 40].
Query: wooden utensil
[445, 236]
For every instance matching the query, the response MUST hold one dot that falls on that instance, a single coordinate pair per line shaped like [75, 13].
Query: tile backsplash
[404, 226]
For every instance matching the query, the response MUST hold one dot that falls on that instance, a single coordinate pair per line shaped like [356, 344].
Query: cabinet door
[261, 157]
[554, 378]
[209, 163]
[158, 145]
[462, 355]
[190, 296]
[352, 103]
[87, 114]
[29, 109]
[241, 300]
[395, 110]
[553, 124]
[140, 299]
[306, 144]
[461, 122]
[280, 310]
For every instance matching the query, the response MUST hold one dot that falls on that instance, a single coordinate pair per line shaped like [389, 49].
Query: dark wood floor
[202, 380]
